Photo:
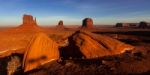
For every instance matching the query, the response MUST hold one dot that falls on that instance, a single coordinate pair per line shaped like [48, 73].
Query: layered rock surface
[39, 51]
[89, 45]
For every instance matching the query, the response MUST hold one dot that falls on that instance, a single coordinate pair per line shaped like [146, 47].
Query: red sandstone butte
[60, 25]
[29, 21]
[87, 23]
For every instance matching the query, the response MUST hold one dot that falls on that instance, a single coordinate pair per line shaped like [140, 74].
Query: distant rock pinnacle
[60, 25]
[87, 23]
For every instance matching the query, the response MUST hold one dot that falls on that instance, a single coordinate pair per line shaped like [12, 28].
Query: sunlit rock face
[39, 51]
[83, 44]
[29, 22]
[87, 23]
[28, 19]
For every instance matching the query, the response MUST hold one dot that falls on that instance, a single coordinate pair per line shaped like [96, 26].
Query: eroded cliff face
[29, 20]
[29, 23]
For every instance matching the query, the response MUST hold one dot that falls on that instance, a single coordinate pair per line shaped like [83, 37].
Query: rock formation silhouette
[29, 22]
[143, 24]
[119, 25]
[87, 23]
[60, 25]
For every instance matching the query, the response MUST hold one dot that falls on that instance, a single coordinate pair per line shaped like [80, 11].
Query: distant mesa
[119, 24]
[126, 25]
[142, 25]
[29, 21]
[60, 25]
[87, 23]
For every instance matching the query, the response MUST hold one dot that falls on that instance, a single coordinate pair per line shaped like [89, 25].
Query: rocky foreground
[128, 63]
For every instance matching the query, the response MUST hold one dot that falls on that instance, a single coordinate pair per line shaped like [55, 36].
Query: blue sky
[49, 12]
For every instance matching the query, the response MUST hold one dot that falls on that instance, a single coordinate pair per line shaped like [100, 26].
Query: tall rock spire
[35, 21]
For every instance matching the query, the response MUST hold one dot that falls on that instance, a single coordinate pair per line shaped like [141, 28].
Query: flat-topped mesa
[29, 20]
[29, 24]
[87, 23]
